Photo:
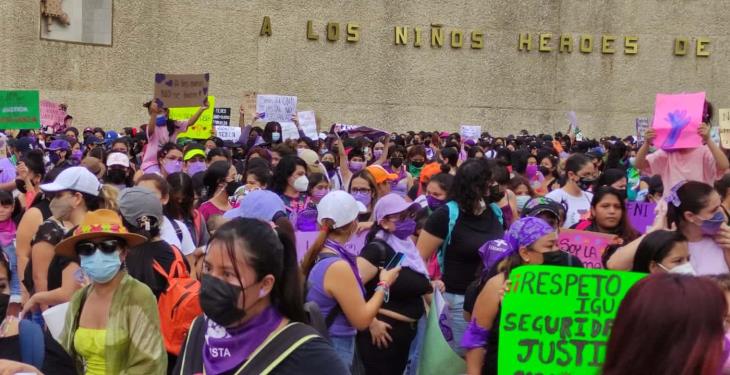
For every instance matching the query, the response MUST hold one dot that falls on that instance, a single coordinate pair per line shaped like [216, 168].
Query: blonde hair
[108, 196]
[310, 258]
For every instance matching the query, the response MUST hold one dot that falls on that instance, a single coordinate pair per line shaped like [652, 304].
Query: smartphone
[395, 261]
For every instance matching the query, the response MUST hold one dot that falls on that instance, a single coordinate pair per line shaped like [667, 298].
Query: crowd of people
[170, 255]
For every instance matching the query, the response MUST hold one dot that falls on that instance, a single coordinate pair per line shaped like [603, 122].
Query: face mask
[318, 194]
[219, 300]
[54, 158]
[682, 269]
[377, 154]
[116, 176]
[417, 164]
[275, 137]
[396, 162]
[531, 171]
[328, 165]
[301, 184]
[363, 198]
[356, 166]
[404, 228]
[544, 170]
[101, 267]
[196, 167]
[173, 166]
[77, 154]
[522, 201]
[585, 183]
[556, 258]
[711, 226]
[433, 202]
[61, 208]
[632, 161]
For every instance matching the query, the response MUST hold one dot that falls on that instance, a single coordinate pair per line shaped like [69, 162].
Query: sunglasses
[87, 248]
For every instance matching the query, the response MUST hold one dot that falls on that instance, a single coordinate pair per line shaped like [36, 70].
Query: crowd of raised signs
[361, 252]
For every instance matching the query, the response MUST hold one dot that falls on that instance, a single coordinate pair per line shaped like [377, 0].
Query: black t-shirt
[462, 260]
[141, 258]
[405, 293]
[53, 232]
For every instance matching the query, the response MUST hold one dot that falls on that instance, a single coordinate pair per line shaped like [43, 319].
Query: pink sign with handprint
[676, 120]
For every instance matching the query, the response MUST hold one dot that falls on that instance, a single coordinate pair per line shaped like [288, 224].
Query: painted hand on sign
[678, 120]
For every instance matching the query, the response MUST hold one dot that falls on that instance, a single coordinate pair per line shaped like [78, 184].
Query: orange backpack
[178, 305]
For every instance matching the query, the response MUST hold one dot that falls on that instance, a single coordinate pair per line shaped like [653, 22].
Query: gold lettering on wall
[566, 43]
[437, 36]
[266, 26]
[311, 35]
[477, 40]
[401, 35]
[607, 44]
[353, 32]
[545, 42]
[631, 45]
[525, 42]
[680, 46]
[417, 37]
[701, 50]
[333, 31]
[586, 43]
[457, 38]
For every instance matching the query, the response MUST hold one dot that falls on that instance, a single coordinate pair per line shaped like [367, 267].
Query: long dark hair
[287, 165]
[693, 196]
[654, 247]
[214, 176]
[668, 324]
[267, 252]
[182, 196]
[624, 228]
[470, 184]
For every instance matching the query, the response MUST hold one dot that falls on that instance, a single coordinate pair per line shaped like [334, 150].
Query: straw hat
[98, 224]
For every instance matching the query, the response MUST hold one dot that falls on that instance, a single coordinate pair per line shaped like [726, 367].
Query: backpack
[178, 305]
[178, 230]
[453, 216]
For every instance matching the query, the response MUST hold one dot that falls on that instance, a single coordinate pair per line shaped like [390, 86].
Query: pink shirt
[208, 209]
[160, 137]
[696, 164]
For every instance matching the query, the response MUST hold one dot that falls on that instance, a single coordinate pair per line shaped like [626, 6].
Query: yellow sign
[203, 128]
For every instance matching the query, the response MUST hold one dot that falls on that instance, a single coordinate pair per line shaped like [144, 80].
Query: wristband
[382, 285]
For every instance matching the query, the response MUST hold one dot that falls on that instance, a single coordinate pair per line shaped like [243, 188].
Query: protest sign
[228, 133]
[354, 131]
[249, 104]
[276, 107]
[724, 127]
[587, 246]
[222, 117]
[642, 125]
[203, 128]
[181, 90]
[305, 239]
[288, 130]
[19, 109]
[51, 114]
[436, 355]
[641, 215]
[676, 120]
[572, 123]
[557, 320]
[308, 123]
[472, 132]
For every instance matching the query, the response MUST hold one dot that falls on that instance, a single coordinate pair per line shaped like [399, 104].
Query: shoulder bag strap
[277, 348]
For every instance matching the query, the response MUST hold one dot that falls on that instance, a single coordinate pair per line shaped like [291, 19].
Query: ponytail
[287, 295]
[311, 256]
[108, 195]
[373, 231]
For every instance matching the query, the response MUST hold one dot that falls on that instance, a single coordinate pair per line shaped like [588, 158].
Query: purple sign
[641, 215]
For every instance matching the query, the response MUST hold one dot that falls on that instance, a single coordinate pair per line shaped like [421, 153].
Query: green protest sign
[19, 109]
[556, 320]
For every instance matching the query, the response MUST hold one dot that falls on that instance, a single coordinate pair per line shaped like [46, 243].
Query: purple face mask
[76, 154]
[711, 226]
[318, 194]
[531, 171]
[356, 166]
[404, 228]
[172, 166]
[433, 202]
[362, 197]
[196, 167]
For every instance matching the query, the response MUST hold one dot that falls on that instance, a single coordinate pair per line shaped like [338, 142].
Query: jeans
[9, 250]
[458, 324]
[345, 348]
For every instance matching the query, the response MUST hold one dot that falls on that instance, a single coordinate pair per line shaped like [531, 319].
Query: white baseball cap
[117, 158]
[76, 179]
[339, 207]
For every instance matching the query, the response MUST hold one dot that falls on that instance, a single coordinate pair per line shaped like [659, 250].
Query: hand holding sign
[677, 119]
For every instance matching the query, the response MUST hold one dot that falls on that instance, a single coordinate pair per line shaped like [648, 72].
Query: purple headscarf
[523, 232]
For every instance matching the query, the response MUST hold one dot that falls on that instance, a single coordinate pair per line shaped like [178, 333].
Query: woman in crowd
[676, 338]
[363, 188]
[396, 165]
[437, 191]
[385, 345]
[523, 191]
[458, 248]
[112, 325]
[181, 206]
[335, 283]
[615, 178]
[549, 169]
[215, 200]
[500, 193]
[119, 172]
[528, 241]
[251, 296]
[608, 215]
[416, 160]
[291, 183]
[580, 176]
[722, 186]
[663, 251]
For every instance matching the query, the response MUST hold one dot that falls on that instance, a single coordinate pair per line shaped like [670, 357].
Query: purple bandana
[523, 232]
[225, 349]
[349, 258]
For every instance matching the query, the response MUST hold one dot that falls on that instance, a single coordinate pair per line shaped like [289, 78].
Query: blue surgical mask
[275, 137]
[521, 201]
[101, 267]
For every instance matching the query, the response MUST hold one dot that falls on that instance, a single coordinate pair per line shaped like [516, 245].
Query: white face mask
[301, 184]
[682, 269]
[275, 137]
[522, 200]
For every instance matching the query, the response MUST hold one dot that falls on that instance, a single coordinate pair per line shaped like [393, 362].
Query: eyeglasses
[86, 248]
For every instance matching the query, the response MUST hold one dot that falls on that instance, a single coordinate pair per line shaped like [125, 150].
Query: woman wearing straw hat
[120, 329]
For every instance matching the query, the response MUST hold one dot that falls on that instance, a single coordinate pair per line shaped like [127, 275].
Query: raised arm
[641, 162]
[199, 112]
[721, 161]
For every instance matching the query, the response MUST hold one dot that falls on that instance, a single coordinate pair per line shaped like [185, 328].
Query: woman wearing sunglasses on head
[112, 325]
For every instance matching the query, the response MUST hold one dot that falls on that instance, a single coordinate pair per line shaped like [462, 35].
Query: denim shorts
[345, 348]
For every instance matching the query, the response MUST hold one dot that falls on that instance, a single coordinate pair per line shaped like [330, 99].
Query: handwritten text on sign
[587, 246]
[641, 215]
[51, 114]
[569, 332]
[181, 90]
[276, 107]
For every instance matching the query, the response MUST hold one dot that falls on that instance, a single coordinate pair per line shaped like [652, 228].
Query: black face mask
[417, 164]
[556, 258]
[396, 162]
[219, 301]
[116, 176]
[328, 165]
[545, 171]
[495, 195]
[4, 302]
[585, 183]
[231, 187]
